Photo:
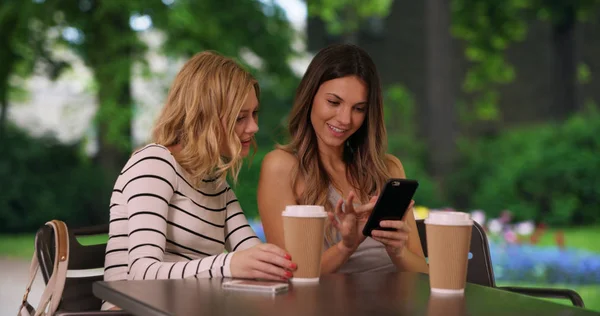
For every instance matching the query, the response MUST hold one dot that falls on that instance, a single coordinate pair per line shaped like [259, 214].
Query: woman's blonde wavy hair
[365, 151]
[202, 106]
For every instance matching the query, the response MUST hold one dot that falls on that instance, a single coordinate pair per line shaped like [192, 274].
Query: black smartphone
[391, 203]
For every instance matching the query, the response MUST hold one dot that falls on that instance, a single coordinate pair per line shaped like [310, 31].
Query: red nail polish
[294, 266]
[287, 256]
[288, 274]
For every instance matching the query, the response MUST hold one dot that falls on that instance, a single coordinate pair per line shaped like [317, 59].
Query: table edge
[102, 290]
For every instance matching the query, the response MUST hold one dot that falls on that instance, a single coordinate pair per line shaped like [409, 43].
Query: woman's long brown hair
[365, 151]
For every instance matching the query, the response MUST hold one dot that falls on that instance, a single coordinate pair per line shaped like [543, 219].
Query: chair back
[86, 265]
[480, 269]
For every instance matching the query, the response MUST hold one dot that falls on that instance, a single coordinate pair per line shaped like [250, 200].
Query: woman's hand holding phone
[395, 239]
[351, 221]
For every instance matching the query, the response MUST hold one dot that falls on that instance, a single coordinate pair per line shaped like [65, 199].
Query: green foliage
[21, 45]
[101, 34]
[584, 75]
[345, 16]
[564, 11]
[548, 172]
[488, 27]
[246, 188]
[234, 28]
[400, 120]
[42, 179]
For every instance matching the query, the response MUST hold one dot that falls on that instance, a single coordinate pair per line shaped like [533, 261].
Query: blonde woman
[172, 214]
[337, 157]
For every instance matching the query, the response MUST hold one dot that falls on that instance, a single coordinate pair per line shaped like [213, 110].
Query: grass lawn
[589, 293]
[21, 246]
[585, 237]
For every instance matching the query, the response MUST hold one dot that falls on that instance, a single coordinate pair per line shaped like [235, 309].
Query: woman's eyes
[336, 103]
[241, 118]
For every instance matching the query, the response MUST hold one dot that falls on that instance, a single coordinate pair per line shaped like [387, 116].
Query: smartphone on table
[391, 203]
[256, 286]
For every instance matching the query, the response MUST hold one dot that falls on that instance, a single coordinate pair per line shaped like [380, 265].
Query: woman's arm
[275, 192]
[149, 181]
[238, 233]
[411, 258]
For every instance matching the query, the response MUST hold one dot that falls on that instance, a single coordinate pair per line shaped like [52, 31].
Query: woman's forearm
[334, 257]
[409, 261]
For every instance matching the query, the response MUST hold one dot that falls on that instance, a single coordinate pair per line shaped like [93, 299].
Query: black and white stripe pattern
[161, 227]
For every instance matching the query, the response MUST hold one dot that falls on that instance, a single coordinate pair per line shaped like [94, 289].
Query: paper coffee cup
[448, 243]
[442, 305]
[304, 232]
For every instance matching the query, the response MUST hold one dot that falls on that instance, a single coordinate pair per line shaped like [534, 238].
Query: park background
[493, 105]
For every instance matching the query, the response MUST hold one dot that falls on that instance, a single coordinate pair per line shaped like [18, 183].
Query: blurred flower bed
[515, 255]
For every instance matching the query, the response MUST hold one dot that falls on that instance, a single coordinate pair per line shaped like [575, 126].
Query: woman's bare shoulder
[279, 162]
[394, 166]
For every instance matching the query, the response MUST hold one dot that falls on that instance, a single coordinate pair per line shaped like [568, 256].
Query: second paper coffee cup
[448, 243]
[304, 232]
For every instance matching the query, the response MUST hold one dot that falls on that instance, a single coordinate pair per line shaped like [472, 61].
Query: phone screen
[392, 203]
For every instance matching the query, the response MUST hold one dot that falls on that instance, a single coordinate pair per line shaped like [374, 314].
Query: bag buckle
[25, 296]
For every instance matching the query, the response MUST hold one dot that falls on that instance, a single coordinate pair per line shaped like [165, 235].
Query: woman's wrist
[346, 251]
[396, 253]
[335, 257]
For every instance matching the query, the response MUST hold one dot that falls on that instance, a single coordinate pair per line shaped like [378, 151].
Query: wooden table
[338, 294]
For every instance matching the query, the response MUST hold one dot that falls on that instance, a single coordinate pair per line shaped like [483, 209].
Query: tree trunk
[350, 36]
[8, 59]
[564, 64]
[3, 112]
[441, 115]
[112, 67]
[114, 126]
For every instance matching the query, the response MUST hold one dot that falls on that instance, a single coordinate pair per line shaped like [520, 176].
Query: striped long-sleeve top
[162, 227]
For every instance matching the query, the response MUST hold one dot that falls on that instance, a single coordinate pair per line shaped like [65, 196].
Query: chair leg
[547, 293]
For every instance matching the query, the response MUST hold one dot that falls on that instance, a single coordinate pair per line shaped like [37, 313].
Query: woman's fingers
[395, 238]
[338, 208]
[394, 244]
[393, 235]
[270, 248]
[333, 220]
[349, 205]
[270, 267]
[365, 210]
[258, 274]
[276, 256]
[397, 225]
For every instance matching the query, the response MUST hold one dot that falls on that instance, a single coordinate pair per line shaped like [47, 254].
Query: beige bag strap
[54, 288]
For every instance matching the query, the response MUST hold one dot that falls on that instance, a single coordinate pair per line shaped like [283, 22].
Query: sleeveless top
[370, 256]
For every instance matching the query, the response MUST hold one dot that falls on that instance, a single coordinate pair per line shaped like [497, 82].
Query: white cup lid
[304, 211]
[449, 218]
